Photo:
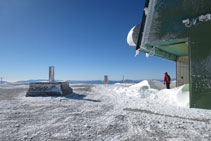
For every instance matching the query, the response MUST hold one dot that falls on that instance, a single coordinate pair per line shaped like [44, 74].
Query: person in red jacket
[167, 80]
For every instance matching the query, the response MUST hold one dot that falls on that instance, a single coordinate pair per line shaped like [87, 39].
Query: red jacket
[165, 81]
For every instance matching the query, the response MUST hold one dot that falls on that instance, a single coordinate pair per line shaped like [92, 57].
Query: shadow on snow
[74, 96]
[77, 96]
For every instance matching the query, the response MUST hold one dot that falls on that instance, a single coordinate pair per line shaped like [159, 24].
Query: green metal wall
[168, 16]
[200, 66]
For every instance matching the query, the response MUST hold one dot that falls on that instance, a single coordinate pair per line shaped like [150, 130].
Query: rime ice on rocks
[50, 88]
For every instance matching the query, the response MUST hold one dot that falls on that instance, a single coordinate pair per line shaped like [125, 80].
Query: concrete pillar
[182, 70]
[51, 74]
[105, 79]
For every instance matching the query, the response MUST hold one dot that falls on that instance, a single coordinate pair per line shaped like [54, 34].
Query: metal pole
[51, 74]
[105, 79]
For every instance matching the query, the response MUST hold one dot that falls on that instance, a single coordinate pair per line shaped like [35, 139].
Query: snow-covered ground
[143, 111]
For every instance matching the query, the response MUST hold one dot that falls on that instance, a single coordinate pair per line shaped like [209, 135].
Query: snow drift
[150, 91]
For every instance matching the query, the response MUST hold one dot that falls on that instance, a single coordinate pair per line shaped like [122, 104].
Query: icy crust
[142, 111]
[149, 22]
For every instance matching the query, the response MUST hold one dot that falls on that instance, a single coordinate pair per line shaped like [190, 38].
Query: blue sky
[83, 39]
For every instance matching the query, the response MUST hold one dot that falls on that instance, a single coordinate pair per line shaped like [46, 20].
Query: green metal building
[179, 30]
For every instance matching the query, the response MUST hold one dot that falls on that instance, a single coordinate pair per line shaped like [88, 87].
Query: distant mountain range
[23, 81]
[101, 82]
[4, 82]
[73, 81]
[78, 81]
[30, 81]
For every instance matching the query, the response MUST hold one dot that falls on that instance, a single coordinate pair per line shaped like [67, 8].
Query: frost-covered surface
[149, 19]
[40, 89]
[143, 111]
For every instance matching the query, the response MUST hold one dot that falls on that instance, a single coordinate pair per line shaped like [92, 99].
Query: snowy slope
[143, 111]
